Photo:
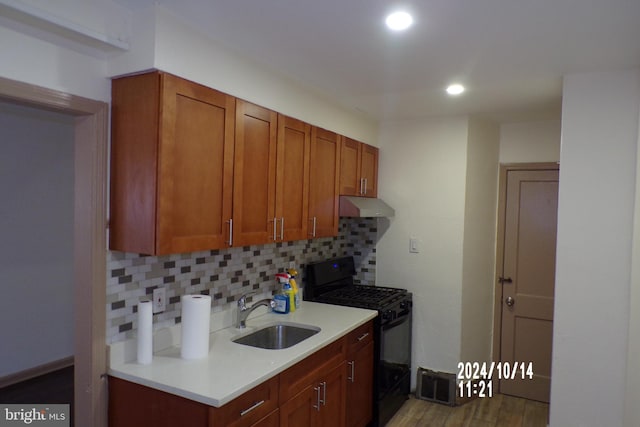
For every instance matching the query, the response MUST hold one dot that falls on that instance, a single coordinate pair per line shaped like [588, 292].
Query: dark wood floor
[497, 411]
[55, 387]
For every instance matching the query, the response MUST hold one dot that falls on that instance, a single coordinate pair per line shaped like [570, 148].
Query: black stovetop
[371, 297]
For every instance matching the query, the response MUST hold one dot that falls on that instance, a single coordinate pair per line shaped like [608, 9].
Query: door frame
[505, 168]
[90, 257]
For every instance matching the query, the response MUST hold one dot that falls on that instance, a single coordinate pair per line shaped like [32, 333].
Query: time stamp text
[475, 379]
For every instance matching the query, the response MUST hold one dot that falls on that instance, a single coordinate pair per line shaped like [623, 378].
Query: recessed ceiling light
[399, 21]
[455, 89]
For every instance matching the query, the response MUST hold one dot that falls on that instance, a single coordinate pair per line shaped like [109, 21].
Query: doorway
[525, 270]
[89, 230]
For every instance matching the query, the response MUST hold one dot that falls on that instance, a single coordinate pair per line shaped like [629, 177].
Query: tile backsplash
[224, 274]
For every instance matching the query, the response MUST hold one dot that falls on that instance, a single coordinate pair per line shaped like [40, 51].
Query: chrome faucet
[244, 311]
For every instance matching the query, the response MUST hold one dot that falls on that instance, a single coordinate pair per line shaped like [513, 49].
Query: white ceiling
[510, 54]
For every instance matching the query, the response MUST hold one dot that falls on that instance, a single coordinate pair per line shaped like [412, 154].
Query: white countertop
[232, 369]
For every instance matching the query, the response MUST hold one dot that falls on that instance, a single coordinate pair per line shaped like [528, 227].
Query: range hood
[351, 206]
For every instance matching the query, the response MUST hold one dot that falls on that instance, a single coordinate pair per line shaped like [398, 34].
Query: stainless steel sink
[278, 336]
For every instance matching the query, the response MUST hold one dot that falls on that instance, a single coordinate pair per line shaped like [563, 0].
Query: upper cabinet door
[324, 183]
[292, 178]
[196, 167]
[171, 165]
[358, 169]
[369, 170]
[350, 155]
[254, 178]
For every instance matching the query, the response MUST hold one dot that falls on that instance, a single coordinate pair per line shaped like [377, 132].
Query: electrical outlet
[292, 264]
[159, 300]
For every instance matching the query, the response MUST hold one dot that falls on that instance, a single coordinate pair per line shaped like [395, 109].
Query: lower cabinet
[360, 376]
[331, 387]
[360, 387]
[134, 405]
[250, 408]
[322, 403]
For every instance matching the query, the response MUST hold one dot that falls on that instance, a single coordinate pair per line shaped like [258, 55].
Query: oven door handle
[398, 320]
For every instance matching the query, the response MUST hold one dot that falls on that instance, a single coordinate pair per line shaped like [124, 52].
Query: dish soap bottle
[296, 294]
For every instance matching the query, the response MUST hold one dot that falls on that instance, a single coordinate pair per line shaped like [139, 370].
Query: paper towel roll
[145, 332]
[196, 311]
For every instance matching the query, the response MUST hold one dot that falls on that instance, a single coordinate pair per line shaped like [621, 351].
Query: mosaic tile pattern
[224, 274]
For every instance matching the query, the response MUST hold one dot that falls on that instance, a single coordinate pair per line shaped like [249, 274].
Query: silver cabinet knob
[510, 301]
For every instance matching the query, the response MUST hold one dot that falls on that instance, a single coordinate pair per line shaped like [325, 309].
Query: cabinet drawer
[360, 337]
[302, 374]
[249, 408]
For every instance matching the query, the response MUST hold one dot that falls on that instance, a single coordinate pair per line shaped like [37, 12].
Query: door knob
[510, 301]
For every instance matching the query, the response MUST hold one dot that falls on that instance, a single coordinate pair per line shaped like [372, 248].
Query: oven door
[394, 369]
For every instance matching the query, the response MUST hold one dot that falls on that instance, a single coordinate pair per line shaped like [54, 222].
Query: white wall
[28, 55]
[158, 39]
[180, 49]
[422, 167]
[479, 240]
[36, 225]
[525, 142]
[632, 412]
[595, 225]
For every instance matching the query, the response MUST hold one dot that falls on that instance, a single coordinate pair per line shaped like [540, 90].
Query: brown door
[301, 409]
[254, 176]
[527, 281]
[369, 171]
[360, 387]
[324, 183]
[350, 161]
[195, 167]
[334, 387]
[292, 178]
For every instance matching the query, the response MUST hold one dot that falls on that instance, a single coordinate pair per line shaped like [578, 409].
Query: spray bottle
[282, 302]
[283, 278]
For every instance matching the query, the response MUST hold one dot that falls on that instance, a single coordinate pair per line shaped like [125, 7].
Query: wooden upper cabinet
[324, 183]
[358, 169]
[292, 178]
[254, 177]
[351, 153]
[369, 170]
[171, 165]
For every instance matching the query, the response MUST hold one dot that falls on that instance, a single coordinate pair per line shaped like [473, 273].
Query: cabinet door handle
[324, 394]
[352, 366]
[361, 185]
[230, 222]
[282, 228]
[365, 186]
[363, 336]
[255, 405]
[317, 405]
[313, 229]
[275, 228]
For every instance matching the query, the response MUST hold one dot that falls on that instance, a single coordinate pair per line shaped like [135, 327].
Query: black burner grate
[374, 297]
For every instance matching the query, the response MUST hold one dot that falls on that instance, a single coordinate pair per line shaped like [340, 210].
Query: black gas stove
[332, 282]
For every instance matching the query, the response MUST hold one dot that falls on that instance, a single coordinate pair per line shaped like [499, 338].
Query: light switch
[414, 245]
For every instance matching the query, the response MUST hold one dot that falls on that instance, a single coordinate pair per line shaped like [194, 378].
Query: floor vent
[437, 387]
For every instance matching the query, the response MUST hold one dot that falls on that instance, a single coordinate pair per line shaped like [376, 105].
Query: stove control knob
[389, 315]
[405, 305]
